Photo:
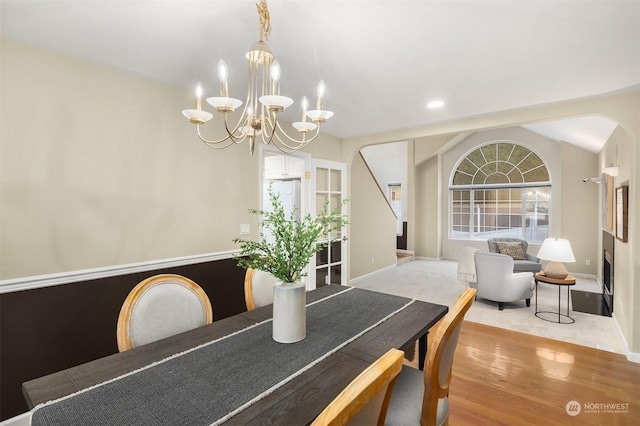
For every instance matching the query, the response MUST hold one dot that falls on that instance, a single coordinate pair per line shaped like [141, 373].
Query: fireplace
[608, 256]
[599, 303]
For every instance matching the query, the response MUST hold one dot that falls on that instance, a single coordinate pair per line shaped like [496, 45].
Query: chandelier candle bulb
[223, 74]
[304, 104]
[199, 96]
[275, 78]
[321, 90]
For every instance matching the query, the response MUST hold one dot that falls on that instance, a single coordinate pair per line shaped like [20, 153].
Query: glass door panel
[330, 182]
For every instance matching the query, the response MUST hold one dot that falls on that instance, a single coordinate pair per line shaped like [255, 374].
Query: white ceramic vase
[289, 312]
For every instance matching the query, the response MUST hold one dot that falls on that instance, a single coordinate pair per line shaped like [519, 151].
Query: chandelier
[259, 118]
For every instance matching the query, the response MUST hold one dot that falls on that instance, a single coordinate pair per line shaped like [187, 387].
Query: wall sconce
[595, 180]
[611, 170]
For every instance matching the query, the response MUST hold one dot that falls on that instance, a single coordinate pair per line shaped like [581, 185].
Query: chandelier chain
[265, 20]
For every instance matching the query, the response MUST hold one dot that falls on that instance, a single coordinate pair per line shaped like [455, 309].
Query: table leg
[536, 281]
[422, 351]
[559, 306]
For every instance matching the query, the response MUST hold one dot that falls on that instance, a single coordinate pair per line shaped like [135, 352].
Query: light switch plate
[244, 229]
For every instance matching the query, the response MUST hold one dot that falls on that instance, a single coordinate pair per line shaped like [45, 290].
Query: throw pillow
[513, 249]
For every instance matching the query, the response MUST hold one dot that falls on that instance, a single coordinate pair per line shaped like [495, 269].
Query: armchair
[497, 281]
[522, 261]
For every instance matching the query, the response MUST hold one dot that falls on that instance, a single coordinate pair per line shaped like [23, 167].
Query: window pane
[537, 213]
[322, 257]
[460, 214]
[321, 277]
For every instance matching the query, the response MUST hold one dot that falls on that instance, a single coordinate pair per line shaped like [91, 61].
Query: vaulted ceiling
[382, 61]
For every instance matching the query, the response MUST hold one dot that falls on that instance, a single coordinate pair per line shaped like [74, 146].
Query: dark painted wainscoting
[50, 329]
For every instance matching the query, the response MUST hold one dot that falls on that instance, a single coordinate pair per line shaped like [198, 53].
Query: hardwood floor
[511, 378]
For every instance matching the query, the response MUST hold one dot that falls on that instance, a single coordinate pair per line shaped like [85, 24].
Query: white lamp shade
[556, 250]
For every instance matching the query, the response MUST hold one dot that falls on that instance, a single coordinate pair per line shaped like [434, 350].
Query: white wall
[388, 162]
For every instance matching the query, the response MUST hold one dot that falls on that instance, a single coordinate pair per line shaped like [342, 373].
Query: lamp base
[556, 270]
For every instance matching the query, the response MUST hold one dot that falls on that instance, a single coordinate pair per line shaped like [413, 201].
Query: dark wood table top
[296, 402]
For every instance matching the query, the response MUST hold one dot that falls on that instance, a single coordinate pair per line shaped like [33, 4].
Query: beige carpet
[436, 281]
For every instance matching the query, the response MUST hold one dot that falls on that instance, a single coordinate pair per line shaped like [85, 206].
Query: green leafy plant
[295, 242]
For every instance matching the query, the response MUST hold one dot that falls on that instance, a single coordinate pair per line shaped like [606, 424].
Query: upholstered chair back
[258, 288]
[159, 307]
[422, 397]
[493, 248]
[496, 280]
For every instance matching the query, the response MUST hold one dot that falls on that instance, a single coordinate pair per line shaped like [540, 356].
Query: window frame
[473, 230]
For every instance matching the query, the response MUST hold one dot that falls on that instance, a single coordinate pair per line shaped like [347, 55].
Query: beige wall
[579, 207]
[618, 151]
[100, 168]
[427, 233]
[372, 228]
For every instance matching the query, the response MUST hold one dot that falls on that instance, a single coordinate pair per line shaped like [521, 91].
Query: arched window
[498, 190]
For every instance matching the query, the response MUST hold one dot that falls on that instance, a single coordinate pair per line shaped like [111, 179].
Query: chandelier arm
[210, 142]
[217, 146]
[304, 142]
[234, 138]
[265, 136]
[268, 123]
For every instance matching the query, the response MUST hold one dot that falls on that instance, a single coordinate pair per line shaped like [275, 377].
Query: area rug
[436, 281]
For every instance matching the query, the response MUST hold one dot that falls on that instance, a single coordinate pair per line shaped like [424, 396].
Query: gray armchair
[498, 282]
[522, 261]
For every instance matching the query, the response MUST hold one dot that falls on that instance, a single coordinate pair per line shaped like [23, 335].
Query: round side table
[567, 281]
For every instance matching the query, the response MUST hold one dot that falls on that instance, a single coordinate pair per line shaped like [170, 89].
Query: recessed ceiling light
[435, 104]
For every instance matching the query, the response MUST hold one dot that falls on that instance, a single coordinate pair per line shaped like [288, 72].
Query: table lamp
[556, 251]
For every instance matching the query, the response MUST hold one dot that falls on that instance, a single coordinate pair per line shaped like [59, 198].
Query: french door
[329, 182]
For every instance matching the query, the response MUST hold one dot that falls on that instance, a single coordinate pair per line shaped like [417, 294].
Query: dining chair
[159, 307]
[422, 397]
[371, 388]
[258, 288]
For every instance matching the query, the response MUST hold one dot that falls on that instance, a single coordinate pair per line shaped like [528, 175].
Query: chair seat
[405, 407]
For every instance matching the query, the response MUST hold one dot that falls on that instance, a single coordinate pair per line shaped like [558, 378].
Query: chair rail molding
[49, 280]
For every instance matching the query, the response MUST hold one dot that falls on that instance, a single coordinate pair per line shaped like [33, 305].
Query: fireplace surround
[608, 258]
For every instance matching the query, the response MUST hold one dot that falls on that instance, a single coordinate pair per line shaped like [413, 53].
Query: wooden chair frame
[248, 290]
[382, 373]
[123, 329]
[438, 337]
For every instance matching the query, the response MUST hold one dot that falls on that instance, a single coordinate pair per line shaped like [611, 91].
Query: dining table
[232, 372]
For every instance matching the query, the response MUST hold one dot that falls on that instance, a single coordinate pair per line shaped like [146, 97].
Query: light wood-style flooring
[511, 378]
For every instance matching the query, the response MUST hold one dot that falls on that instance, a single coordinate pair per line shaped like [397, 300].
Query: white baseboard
[631, 356]
[428, 258]
[587, 276]
[40, 281]
[404, 251]
[361, 277]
